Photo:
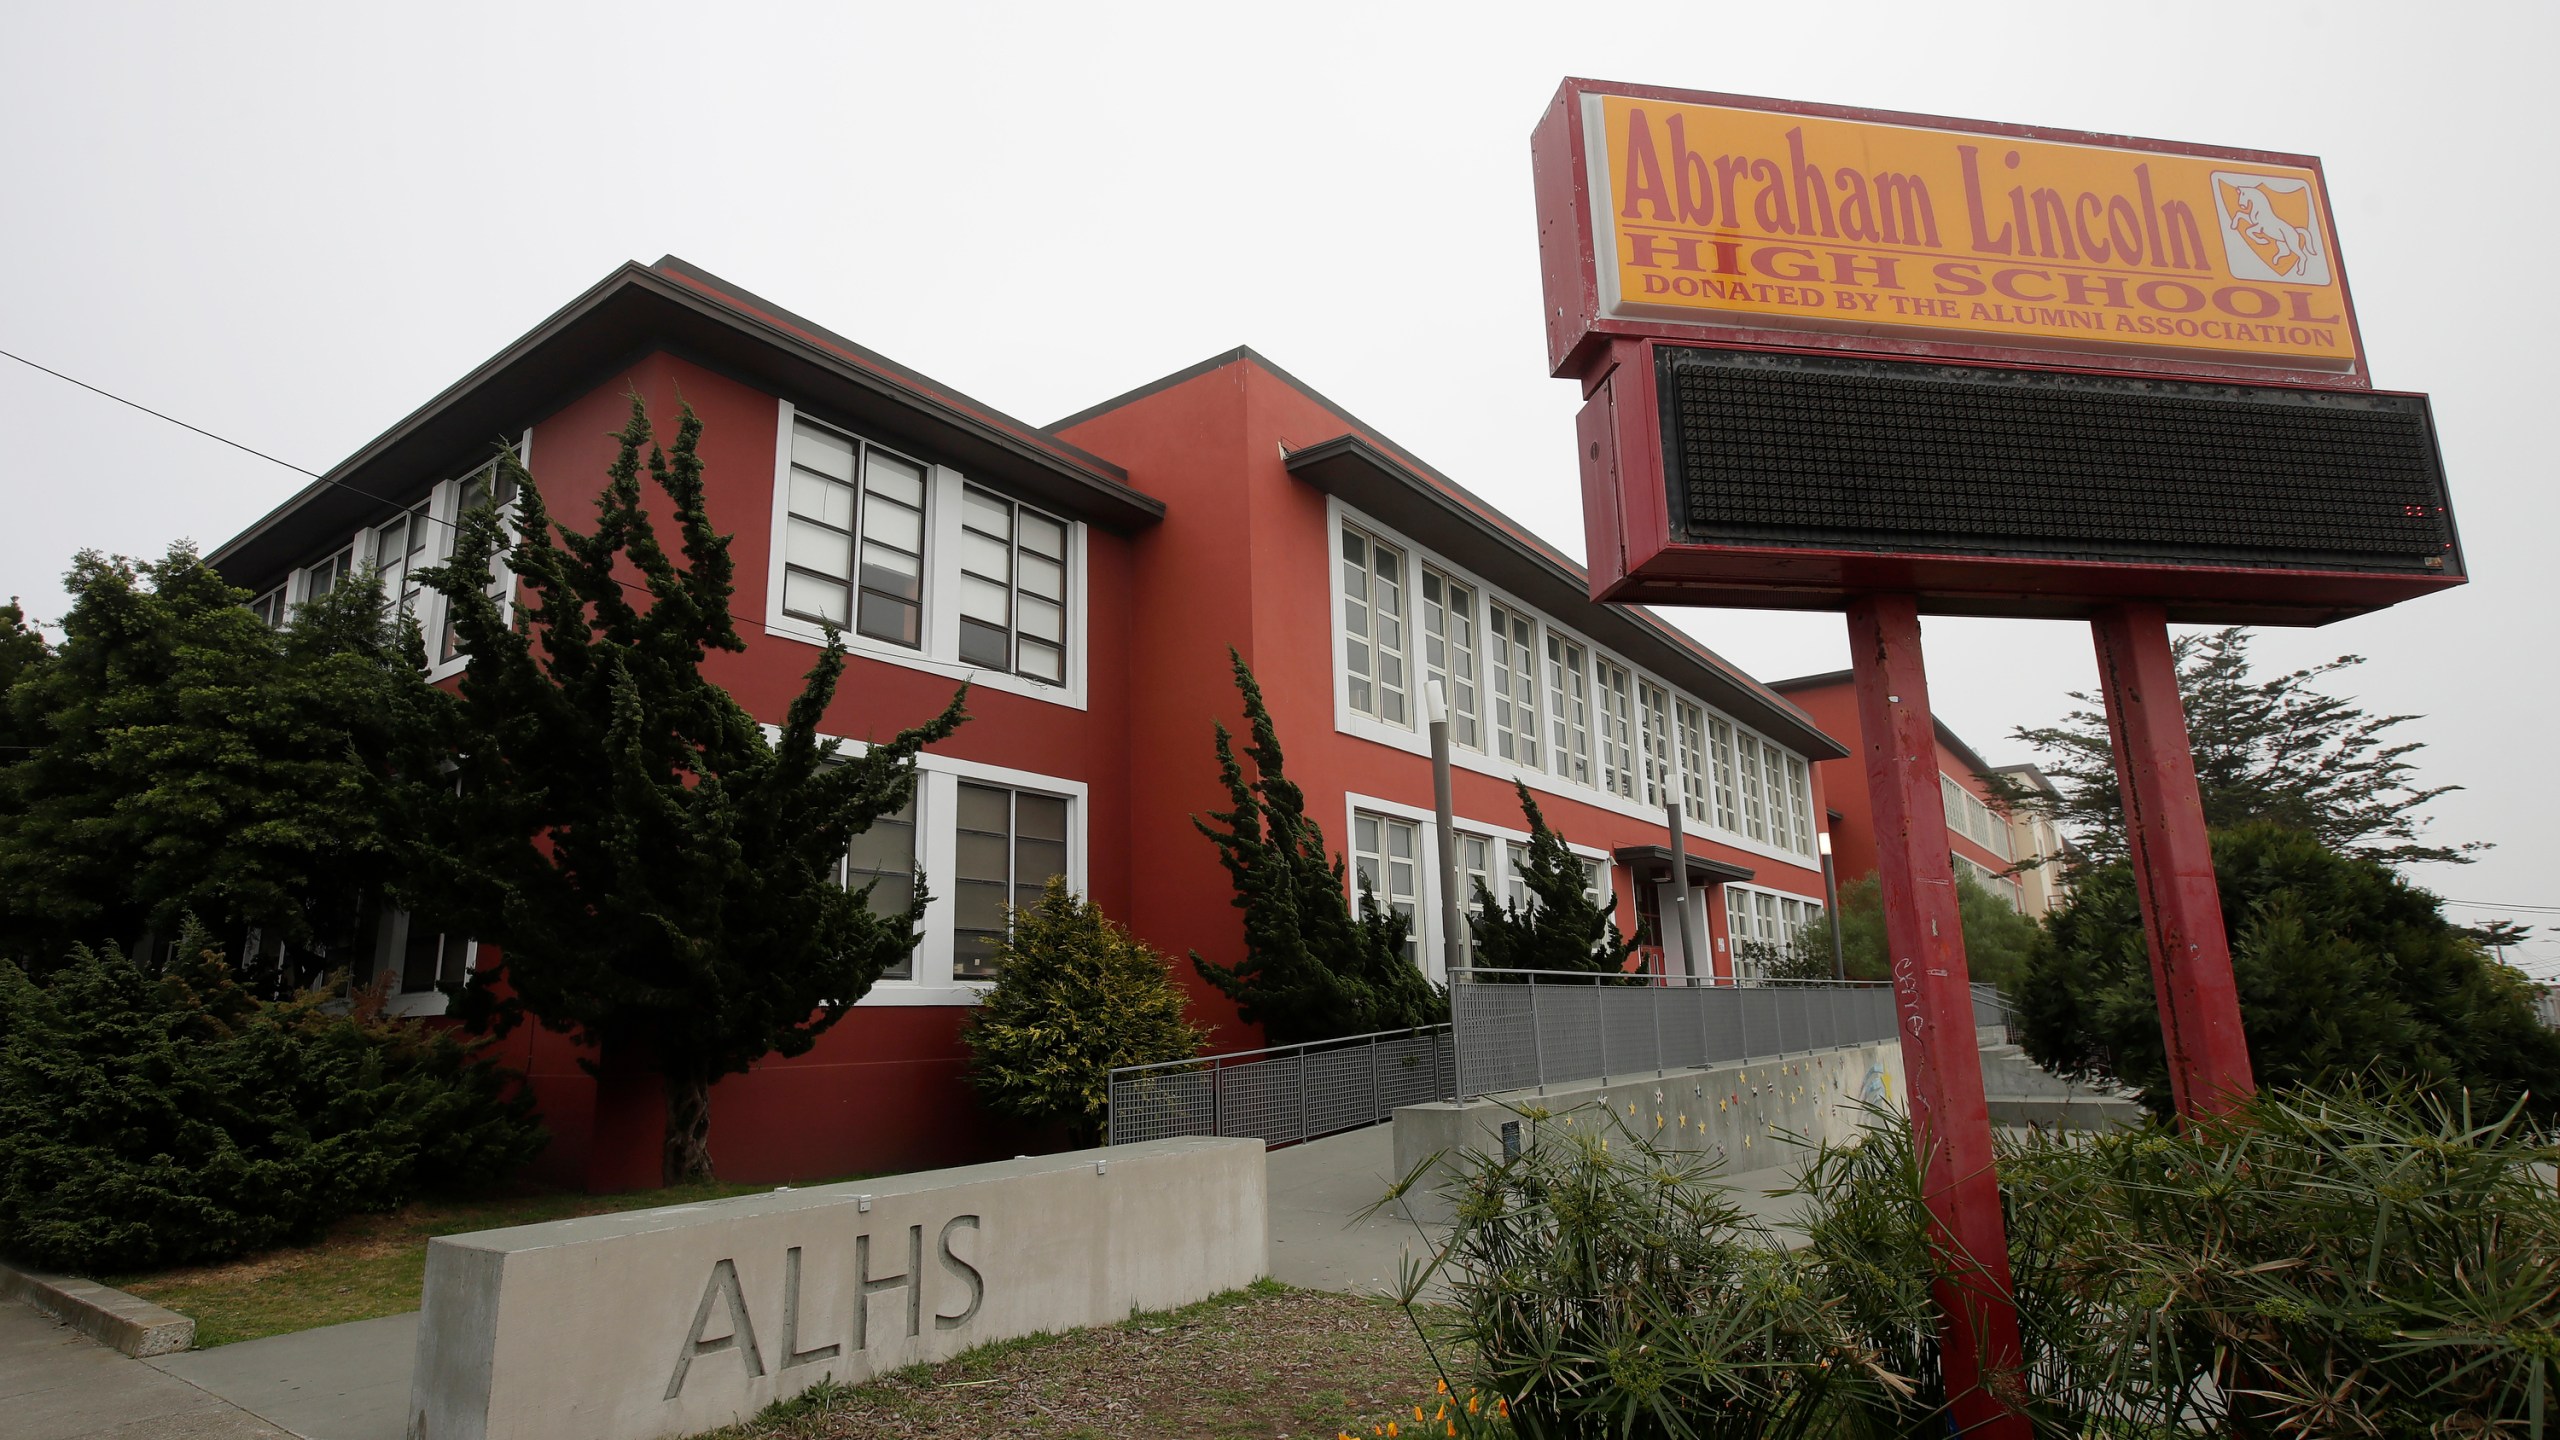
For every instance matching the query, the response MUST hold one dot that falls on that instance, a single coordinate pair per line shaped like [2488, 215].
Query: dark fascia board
[634, 312]
[1363, 476]
[1703, 870]
[1949, 738]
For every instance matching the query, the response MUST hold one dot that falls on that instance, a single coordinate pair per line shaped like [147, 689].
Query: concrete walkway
[339, 1382]
[1319, 1189]
[58, 1384]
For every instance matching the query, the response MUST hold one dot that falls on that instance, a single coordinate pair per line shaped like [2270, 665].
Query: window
[1617, 730]
[884, 858]
[1373, 627]
[400, 552]
[1013, 587]
[1760, 922]
[1568, 709]
[424, 958]
[1755, 800]
[1475, 872]
[485, 486]
[1693, 759]
[1595, 880]
[320, 578]
[1449, 652]
[269, 608]
[1773, 774]
[1512, 644]
[883, 597]
[1728, 786]
[1653, 725]
[1009, 843]
[1385, 858]
[1800, 804]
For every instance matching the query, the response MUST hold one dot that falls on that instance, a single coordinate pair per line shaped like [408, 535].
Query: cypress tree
[1561, 927]
[184, 759]
[660, 876]
[1310, 971]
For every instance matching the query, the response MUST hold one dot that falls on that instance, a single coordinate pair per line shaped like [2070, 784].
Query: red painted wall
[1243, 559]
[882, 1089]
[1842, 784]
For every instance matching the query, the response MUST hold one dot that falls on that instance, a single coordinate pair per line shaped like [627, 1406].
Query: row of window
[856, 555]
[1976, 821]
[399, 549]
[1529, 692]
[1755, 918]
[1386, 859]
[2004, 886]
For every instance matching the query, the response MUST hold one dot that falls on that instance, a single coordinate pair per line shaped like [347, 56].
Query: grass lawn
[362, 1267]
[1264, 1362]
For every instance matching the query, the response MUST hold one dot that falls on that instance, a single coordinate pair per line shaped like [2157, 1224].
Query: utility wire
[263, 455]
[172, 419]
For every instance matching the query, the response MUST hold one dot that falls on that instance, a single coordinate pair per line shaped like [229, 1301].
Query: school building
[1086, 578]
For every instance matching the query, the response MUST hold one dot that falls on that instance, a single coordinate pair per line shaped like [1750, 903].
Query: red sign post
[1896, 364]
[1933, 996]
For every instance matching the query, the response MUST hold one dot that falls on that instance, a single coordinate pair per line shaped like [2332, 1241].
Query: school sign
[1736, 216]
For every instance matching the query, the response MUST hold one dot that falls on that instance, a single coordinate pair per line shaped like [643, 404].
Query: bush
[1075, 996]
[2368, 1261]
[1607, 1287]
[153, 1117]
[2342, 967]
[1998, 941]
[1561, 927]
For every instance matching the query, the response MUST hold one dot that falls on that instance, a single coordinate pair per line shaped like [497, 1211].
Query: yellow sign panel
[1713, 214]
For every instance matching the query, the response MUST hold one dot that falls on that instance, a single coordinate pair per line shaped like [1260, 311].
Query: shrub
[156, 1116]
[2342, 967]
[1075, 996]
[1606, 1287]
[1562, 927]
[2366, 1261]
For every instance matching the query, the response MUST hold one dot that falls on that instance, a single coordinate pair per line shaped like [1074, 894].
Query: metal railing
[1286, 1093]
[1510, 1030]
[1522, 1029]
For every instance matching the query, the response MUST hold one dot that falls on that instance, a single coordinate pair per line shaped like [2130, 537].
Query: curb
[111, 1317]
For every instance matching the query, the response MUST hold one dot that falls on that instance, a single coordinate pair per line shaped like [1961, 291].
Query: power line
[2495, 905]
[156, 415]
[630, 585]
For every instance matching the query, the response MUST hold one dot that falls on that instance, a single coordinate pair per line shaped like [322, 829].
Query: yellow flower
[1417, 1412]
[1471, 1404]
[1444, 1387]
[1391, 1430]
[1453, 1429]
[1501, 1407]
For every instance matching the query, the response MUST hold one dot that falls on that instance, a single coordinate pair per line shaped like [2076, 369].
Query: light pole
[1831, 908]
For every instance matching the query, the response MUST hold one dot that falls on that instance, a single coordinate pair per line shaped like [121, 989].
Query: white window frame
[1376, 866]
[940, 654]
[1460, 669]
[1539, 775]
[1502, 840]
[443, 518]
[1400, 697]
[1614, 726]
[938, 780]
[1767, 908]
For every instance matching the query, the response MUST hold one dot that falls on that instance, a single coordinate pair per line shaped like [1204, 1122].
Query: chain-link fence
[1510, 1030]
[1292, 1092]
[1520, 1030]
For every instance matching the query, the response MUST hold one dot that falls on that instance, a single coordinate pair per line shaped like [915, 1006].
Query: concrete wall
[1739, 1113]
[682, 1319]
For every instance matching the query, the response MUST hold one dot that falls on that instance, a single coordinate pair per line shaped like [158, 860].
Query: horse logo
[2270, 228]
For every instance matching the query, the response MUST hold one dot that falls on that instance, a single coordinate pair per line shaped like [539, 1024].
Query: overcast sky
[293, 225]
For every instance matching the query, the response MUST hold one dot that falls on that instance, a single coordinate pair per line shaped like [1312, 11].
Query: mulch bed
[1267, 1362]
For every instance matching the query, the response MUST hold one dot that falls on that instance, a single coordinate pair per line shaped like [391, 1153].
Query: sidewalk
[1318, 1187]
[58, 1384]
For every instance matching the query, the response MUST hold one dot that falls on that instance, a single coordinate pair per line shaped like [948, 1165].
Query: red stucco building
[1982, 833]
[1087, 578]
